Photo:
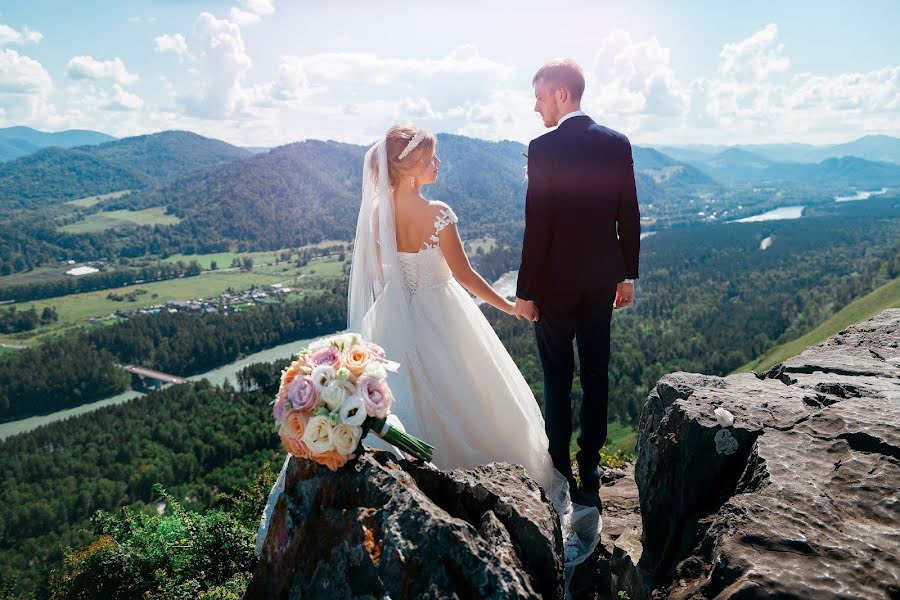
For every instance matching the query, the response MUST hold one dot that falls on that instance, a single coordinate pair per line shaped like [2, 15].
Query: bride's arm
[455, 255]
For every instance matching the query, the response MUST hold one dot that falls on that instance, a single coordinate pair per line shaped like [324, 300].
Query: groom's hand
[624, 295]
[527, 309]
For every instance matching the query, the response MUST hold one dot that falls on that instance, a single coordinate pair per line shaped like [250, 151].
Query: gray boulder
[379, 528]
[800, 498]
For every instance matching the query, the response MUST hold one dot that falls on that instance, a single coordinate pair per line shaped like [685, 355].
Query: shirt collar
[574, 113]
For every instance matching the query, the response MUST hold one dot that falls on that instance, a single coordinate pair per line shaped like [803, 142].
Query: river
[215, 376]
[860, 196]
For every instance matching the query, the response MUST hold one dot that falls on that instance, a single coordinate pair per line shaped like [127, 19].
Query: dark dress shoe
[590, 479]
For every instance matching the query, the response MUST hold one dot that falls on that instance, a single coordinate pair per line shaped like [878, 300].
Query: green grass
[92, 200]
[886, 296]
[38, 275]
[620, 439]
[224, 259]
[119, 218]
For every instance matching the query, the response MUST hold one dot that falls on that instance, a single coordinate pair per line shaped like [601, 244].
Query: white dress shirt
[574, 113]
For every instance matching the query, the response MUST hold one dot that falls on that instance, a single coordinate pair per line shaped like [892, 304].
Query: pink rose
[302, 393]
[329, 356]
[278, 409]
[376, 396]
[375, 350]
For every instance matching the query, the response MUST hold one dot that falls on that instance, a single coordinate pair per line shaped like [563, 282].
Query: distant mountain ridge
[21, 141]
[53, 175]
[877, 148]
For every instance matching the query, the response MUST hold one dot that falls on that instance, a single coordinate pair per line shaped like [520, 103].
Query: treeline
[99, 281]
[15, 321]
[79, 368]
[195, 439]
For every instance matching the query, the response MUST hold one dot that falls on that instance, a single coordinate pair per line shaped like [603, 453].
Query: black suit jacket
[582, 224]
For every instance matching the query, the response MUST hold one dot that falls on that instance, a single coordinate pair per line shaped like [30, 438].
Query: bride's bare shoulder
[439, 208]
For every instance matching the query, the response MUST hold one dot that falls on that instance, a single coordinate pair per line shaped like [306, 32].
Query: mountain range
[879, 148]
[20, 141]
[306, 192]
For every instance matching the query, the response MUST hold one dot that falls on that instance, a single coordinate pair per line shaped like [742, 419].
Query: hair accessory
[415, 141]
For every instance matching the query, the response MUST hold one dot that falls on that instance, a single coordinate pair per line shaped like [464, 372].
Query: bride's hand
[510, 309]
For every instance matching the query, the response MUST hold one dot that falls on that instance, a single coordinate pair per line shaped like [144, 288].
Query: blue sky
[267, 72]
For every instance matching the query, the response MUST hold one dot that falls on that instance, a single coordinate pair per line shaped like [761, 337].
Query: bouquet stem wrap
[401, 440]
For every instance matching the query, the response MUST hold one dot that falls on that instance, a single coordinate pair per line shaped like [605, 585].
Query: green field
[120, 218]
[75, 309]
[92, 200]
[486, 244]
[224, 259]
[38, 275]
[886, 296]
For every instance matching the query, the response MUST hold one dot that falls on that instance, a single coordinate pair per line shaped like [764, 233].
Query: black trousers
[588, 324]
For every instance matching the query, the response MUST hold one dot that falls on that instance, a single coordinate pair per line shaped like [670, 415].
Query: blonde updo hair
[396, 140]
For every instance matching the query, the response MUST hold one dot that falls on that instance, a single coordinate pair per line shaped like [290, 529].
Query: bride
[458, 388]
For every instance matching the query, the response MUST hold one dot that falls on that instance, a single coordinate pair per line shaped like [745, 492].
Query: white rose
[353, 410]
[376, 369]
[346, 437]
[317, 436]
[724, 417]
[333, 395]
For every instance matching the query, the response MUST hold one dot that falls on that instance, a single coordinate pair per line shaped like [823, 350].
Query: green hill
[886, 296]
[53, 175]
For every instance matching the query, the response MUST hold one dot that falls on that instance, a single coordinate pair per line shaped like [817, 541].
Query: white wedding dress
[457, 387]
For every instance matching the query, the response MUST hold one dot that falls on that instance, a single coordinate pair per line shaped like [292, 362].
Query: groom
[579, 261]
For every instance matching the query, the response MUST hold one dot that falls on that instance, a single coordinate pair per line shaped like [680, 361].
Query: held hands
[624, 295]
[526, 309]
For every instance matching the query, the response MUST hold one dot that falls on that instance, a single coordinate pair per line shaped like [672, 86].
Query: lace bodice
[427, 267]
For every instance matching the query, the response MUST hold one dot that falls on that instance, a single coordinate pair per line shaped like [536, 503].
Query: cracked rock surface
[385, 529]
[798, 499]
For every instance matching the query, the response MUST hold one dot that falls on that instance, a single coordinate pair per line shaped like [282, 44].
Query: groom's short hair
[562, 73]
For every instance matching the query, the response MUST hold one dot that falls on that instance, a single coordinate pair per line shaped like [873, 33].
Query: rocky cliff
[797, 499]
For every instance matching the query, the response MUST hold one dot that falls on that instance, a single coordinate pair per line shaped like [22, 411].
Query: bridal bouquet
[332, 395]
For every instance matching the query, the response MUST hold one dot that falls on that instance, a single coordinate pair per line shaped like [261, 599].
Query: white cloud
[630, 78]
[25, 87]
[252, 12]
[172, 43]
[244, 17]
[504, 114]
[123, 100]
[259, 7]
[88, 67]
[370, 68]
[221, 62]
[22, 75]
[755, 57]
[8, 35]
[751, 99]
